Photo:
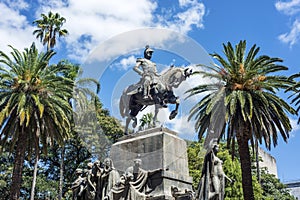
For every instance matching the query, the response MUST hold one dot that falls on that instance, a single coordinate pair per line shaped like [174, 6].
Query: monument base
[158, 148]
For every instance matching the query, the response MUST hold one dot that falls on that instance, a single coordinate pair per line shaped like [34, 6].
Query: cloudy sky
[106, 37]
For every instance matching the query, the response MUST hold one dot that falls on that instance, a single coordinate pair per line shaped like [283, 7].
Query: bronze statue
[152, 89]
[78, 185]
[109, 177]
[149, 75]
[97, 173]
[212, 182]
[90, 189]
[83, 187]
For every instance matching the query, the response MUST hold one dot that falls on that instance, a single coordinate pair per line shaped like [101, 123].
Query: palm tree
[245, 89]
[34, 107]
[146, 121]
[48, 27]
[296, 95]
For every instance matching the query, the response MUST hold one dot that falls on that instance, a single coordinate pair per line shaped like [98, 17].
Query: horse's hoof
[172, 115]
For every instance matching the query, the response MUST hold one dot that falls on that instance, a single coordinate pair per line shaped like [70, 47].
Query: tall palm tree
[34, 107]
[48, 27]
[245, 89]
[296, 95]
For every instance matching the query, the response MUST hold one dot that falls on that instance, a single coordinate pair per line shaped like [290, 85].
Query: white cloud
[185, 128]
[16, 4]
[289, 8]
[293, 36]
[101, 20]
[292, 9]
[192, 16]
[15, 29]
[92, 22]
[125, 63]
[132, 41]
[295, 127]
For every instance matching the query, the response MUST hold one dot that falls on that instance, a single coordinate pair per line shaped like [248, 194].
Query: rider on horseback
[149, 76]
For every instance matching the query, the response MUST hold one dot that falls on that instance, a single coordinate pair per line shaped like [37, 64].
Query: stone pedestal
[157, 148]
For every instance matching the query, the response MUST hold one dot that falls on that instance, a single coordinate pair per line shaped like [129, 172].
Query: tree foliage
[241, 97]
[48, 27]
[34, 108]
[295, 88]
[273, 189]
[146, 121]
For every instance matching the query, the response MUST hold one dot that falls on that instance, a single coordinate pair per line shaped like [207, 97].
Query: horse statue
[132, 101]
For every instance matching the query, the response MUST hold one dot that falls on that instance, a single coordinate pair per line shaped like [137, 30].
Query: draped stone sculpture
[212, 182]
[134, 183]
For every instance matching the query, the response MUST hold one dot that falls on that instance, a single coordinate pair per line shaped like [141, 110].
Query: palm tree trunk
[257, 161]
[18, 166]
[245, 165]
[34, 175]
[61, 178]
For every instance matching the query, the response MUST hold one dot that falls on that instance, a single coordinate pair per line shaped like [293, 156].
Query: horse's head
[174, 76]
[187, 72]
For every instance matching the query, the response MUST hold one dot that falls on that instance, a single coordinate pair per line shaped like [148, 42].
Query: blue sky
[107, 36]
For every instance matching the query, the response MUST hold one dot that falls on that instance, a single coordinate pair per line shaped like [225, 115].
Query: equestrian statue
[152, 89]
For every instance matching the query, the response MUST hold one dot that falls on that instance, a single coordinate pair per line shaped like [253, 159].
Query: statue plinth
[157, 148]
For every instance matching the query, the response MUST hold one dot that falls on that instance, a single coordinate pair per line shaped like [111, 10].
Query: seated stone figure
[133, 184]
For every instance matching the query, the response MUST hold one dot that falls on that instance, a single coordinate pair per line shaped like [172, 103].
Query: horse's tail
[122, 104]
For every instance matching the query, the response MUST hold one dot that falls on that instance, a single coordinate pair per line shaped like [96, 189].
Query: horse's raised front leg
[175, 112]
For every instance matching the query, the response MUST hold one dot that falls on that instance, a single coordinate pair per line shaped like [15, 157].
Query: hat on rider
[148, 52]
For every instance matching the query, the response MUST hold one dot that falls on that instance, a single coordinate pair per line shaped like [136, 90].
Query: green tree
[34, 108]
[43, 184]
[146, 121]
[75, 156]
[48, 27]
[245, 89]
[6, 169]
[273, 189]
[110, 126]
[196, 153]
